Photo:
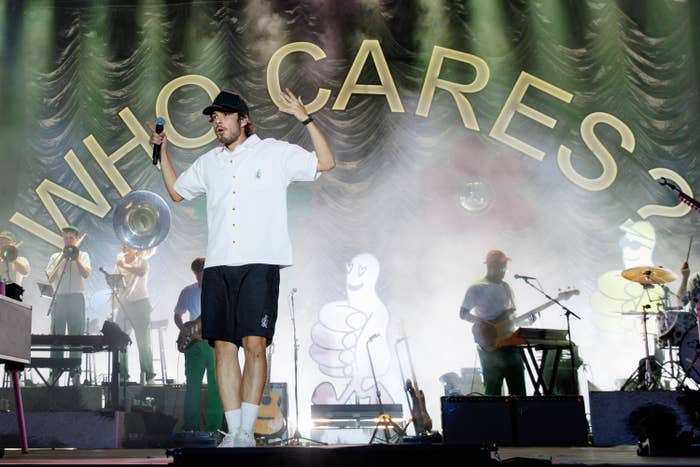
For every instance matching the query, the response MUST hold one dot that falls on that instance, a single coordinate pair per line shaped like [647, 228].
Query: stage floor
[345, 455]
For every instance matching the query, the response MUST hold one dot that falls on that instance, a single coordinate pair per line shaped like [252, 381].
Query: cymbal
[649, 275]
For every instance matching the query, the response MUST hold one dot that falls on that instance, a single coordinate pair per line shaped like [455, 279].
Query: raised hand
[292, 105]
[157, 138]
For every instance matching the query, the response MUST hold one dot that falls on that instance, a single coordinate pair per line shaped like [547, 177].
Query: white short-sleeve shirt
[488, 300]
[72, 281]
[246, 192]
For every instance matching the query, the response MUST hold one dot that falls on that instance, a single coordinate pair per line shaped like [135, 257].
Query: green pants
[136, 316]
[198, 359]
[68, 312]
[506, 364]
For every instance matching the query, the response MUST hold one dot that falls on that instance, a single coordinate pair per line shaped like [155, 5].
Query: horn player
[13, 267]
[67, 271]
[135, 307]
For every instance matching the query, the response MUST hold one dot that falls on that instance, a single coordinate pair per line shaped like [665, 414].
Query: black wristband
[307, 120]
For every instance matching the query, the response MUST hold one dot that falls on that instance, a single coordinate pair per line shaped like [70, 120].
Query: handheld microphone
[527, 278]
[102, 270]
[160, 123]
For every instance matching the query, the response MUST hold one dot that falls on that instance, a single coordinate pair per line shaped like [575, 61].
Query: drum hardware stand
[296, 438]
[651, 381]
[384, 420]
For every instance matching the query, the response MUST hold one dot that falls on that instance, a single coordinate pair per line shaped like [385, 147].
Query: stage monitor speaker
[550, 421]
[477, 420]
[624, 417]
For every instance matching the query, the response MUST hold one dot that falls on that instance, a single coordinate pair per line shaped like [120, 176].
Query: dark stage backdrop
[541, 128]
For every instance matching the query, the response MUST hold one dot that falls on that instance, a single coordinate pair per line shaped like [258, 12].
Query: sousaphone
[141, 219]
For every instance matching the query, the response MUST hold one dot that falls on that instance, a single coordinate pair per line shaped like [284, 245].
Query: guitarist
[199, 357]
[491, 299]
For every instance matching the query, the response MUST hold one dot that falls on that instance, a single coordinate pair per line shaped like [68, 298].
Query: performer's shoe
[229, 441]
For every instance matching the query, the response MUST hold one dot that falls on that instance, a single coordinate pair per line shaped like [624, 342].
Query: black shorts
[240, 301]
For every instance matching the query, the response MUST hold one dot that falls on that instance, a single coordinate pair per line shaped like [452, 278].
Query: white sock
[233, 420]
[249, 414]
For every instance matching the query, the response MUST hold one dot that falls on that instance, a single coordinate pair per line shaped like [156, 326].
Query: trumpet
[9, 253]
[71, 252]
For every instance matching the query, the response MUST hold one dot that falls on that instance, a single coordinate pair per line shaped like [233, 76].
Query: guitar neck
[532, 312]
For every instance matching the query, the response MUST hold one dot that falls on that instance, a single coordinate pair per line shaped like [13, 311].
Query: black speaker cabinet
[477, 420]
[514, 421]
[550, 421]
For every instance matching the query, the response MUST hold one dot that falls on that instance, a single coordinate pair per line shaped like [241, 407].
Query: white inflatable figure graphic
[344, 333]
[617, 307]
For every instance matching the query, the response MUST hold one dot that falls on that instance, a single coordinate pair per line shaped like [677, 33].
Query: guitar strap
[509, 292]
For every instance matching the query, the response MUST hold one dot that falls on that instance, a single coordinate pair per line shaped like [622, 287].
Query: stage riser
[613, 413]
[510, 421]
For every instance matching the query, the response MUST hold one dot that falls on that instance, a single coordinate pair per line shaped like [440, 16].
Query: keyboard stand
[535, 369]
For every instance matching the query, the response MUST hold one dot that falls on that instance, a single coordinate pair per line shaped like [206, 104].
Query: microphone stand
[568, 313]
[295, 439]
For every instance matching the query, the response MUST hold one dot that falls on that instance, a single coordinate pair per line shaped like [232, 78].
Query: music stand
[45, 290]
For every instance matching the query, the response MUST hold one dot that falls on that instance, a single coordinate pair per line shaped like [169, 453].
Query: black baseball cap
[227, 101]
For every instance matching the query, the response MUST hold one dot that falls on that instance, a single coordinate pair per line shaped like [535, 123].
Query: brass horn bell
[141, 219]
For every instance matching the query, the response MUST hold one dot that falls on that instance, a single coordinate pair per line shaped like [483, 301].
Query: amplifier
[514, 421]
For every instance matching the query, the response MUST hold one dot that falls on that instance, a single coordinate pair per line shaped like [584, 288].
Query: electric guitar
[488, 333]
[190, 334]
[422, 422]
[270, 422]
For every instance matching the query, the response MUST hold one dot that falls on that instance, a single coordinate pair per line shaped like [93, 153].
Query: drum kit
[678, 330]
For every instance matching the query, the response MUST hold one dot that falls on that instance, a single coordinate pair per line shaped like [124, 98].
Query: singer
[67, 271]
[245, 180]
[489, 305]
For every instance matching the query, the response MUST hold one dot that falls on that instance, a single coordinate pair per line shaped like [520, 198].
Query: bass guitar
[189, 335]
[491, 334]
[270, 422]
[422, 422]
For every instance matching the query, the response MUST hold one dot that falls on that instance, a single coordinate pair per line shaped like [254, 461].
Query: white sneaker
[229, 441]
[245, 439]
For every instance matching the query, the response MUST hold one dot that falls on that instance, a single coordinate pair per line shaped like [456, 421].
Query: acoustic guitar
[490, 334]
[270, 422]
[189, 335]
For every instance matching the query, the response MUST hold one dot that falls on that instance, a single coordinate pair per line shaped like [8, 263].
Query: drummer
[689, 290]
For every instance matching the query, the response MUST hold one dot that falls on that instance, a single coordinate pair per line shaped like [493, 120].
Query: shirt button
[234, 242]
